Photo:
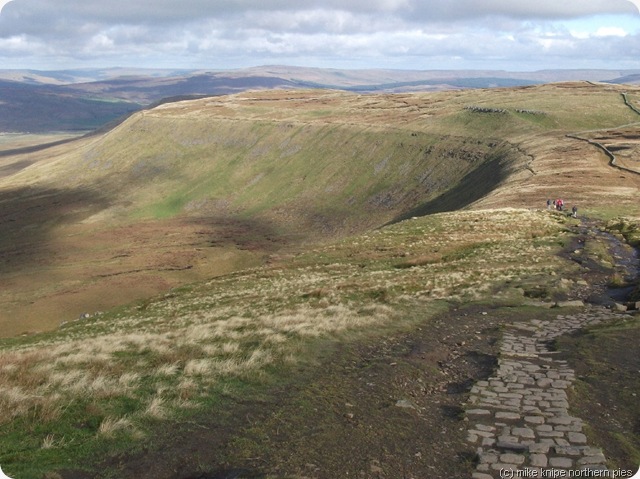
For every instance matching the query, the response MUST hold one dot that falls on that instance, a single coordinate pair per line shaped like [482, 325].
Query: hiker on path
[548, 204]
[574, 211]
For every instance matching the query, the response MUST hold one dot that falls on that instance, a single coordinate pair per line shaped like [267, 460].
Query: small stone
[482, 427]
[534, 419]
[560, 420]
[478, 412]
[523, 432]
[595, 459]
[404, 403]
[511, 445]
[481, 433]
[539, 448]
[512, 458]
[550, 434]
[620, 307]
[561, 462]
[488, 458]
[507, 415]
[567, 450]
[539, 460]
[576, 438]
[570, 304]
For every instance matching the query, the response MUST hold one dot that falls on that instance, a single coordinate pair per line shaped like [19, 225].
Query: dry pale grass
[156, 408]
[111, 426]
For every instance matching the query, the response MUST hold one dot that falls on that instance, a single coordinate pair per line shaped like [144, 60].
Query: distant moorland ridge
[82, 100]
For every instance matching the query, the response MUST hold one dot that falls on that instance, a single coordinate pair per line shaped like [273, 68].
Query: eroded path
[519, 418]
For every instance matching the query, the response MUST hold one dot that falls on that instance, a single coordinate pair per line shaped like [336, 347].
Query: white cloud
[402, 33]
[611, 32]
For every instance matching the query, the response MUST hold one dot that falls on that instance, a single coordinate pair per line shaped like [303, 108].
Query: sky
[514, 35]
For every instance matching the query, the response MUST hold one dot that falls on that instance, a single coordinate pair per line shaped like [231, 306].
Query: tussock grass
[111, 426]
[135, 365]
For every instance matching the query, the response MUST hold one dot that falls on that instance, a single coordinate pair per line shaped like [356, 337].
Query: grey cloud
[259, 31]
[21, 12]
[437, 10]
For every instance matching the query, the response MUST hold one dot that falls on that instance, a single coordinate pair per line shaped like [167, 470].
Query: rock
[478, 412]
[576, 303]
[561, 462]
[539, 448]
[539, 460]
[511, 445]
[593, 459]
[510, 458]
[534, 419]
[488, 458]
[577, 438]
[507, 415]
[619, 307]
[523, 432]
[404, 403]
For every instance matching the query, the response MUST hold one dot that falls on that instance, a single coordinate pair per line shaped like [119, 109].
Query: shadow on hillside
[256, 235]
[28, 215]
[474, 186]
[13, 168]
[34, 148]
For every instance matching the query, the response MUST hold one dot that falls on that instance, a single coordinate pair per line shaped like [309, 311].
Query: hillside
[196, 188]
[46, 109]
[215, 284]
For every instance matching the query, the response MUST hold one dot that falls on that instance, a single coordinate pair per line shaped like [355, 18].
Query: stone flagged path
[519, 418]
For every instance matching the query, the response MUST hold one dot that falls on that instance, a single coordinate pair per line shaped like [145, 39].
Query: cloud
[611, 32]
[217, 33]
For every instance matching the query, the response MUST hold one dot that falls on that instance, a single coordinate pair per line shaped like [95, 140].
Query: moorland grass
[103, 382]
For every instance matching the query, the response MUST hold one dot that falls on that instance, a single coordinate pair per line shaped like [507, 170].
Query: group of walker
[559, 206]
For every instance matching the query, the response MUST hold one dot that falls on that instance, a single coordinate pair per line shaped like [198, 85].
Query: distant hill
[82, 100]
[45, 108]
[633, 79]
[37, 108]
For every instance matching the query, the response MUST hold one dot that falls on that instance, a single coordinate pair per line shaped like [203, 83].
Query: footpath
[519, 420]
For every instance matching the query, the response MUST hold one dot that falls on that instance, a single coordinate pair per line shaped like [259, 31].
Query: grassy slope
[327, 159]
[105, 382]
[277, 167]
